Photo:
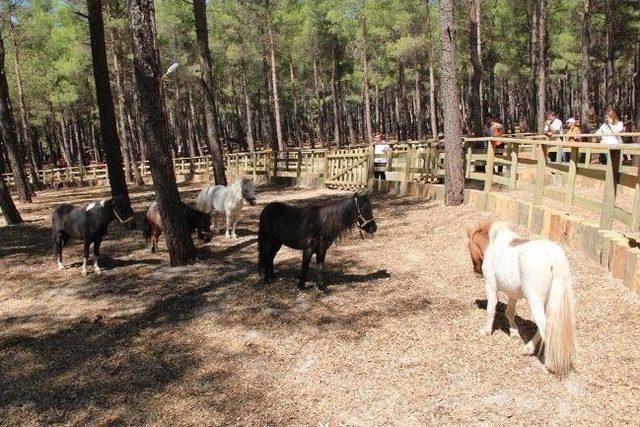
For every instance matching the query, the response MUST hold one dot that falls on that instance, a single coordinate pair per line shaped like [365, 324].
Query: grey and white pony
[227, 200]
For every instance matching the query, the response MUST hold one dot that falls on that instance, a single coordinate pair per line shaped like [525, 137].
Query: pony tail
[560, 326]
[144, 225]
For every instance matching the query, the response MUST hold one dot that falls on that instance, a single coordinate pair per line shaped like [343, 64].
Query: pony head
[478, 242]
[248, 190]
[364, 212]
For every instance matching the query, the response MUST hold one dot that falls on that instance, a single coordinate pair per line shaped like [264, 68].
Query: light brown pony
[196, 221]
[478, 242]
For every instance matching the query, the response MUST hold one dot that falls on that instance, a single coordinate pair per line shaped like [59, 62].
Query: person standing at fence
[552, 127]
[380, 148]
[572, 132]
[494, 128]
[608, 132]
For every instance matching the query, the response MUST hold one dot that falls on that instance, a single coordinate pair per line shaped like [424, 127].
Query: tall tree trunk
[108, 130]
[274, 78]
[9, 134]
[533, 119]
[334, 96]
[475, 102]
[8, 208]
[418, 102]
[130, 169]
[609, 89]
[585, 67]
[365, 83]
[146, 62]
[432, 100]
[202, 34]
[542, 63]
[192, 124]
[294, 97]
[247, 111]
[319, 122]
[454, 158]
[25, 129]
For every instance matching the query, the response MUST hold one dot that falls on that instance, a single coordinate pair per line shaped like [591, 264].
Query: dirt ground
[395, 342]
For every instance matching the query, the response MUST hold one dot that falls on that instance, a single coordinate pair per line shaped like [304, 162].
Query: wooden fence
[524, 160]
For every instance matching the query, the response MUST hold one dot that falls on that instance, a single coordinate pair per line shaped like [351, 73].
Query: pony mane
[478, 243]
[336, 218]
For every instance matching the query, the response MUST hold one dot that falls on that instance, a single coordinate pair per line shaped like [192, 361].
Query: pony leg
[233, 230]
[306, 259]
[537, 310]
[59, 245]
[492, 301]
[87, 244]
[96, 255]
[320, 269]
[511, 317]
[227, 235]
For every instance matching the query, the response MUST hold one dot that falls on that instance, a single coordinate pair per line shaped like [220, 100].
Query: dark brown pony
[196, 221]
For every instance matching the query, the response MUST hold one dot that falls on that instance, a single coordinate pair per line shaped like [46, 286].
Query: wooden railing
[518, 154]
[525, 164]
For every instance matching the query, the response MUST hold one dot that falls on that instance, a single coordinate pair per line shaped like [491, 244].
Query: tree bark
[202, 34]
[146, 62]
[432, 100]
[247, 111]
[475, 102]
[454, 157]
[533, 121]
[365, 83]
[334, 96]
[108, 130]
[418, 102]
[609, 89]
[10, 136]
[9, 210]
[274, 78]
[542, 64]
[26, 134]
[585, 68]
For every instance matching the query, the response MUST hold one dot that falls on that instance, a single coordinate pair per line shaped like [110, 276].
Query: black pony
[89, 223]
[312, 229]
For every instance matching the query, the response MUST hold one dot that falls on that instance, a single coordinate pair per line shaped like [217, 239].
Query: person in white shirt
[552, 125]
[380, 149]
[611, 126]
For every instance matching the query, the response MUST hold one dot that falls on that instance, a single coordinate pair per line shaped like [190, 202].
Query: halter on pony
[361, 221]
[120, 219]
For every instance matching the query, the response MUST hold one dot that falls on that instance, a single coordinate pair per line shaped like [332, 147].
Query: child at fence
[380, 148]
[553, 127]
[573, 130]
[494, 128]
[608, 132]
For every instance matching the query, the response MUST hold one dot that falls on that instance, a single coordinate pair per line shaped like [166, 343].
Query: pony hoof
[98, 271]
[84, 272]
[528, 349]
[303, 287]
[484, 332]
[324, 289]
[513, 333]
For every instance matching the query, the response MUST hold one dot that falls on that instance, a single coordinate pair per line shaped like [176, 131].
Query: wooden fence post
[513, 172]
[610, 187]
[406, 175]
[573, 171]
[371, 164]
[299, 165]
[488, 180]
[635, 209]
[469, 165]
[541, 151]
[325, 167]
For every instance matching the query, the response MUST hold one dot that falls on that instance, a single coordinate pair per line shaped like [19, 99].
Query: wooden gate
[348, 168]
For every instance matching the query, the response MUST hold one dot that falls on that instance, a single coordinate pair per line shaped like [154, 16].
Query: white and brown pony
[536, 270]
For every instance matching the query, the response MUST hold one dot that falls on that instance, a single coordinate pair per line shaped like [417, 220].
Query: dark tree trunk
[365, 83]
[533, 120]
[146, 62]
[9, 210]
[585, 67]
[475, 102]
[454, 159]
[247, 110]
[542, 63]
[274, 77]
[25, 130]
[109, 132]
[10, 136]
[609, 89]
[418, 102]
[202, 34]
[334, 96]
